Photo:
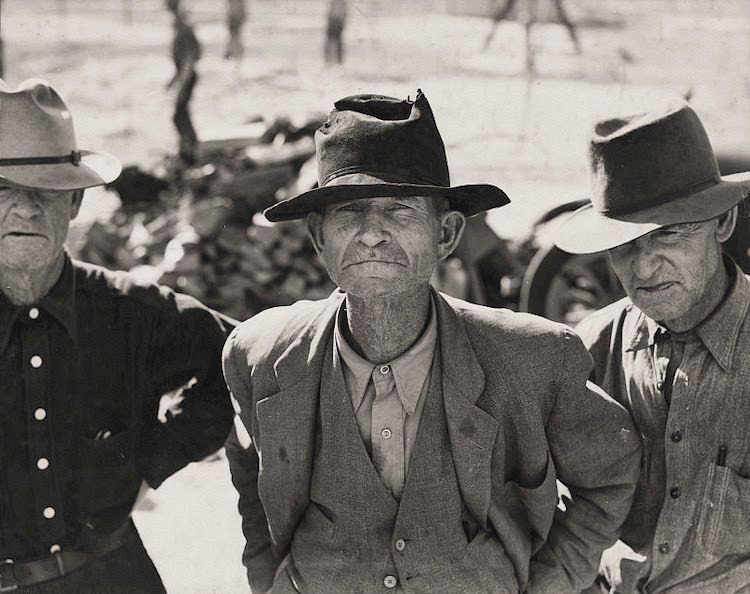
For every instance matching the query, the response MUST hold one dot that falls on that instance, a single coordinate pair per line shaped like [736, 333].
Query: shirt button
[390, 581]
[385, 433]
[664, 548]
[49, 512]
[40, 414]
[33, 313]
[675, 492]
[676, 436]
[42, 464]
[36, 361]
[55, 548]
[384, 369]
[400, 545]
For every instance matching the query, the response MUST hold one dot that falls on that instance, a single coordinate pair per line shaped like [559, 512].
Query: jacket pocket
[107, 473]
[724, 524]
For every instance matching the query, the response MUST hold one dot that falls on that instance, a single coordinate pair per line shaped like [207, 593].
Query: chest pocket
[724, 524]
[107, 473]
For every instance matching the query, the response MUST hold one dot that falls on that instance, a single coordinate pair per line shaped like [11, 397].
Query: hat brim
[587, 231]
[468, 199]
[95, 169]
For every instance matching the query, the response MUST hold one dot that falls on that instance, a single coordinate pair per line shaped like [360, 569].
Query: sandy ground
[110, 60]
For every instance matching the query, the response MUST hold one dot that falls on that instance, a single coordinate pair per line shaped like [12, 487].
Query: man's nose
[372, 233]
[645, 263]
[26, 204]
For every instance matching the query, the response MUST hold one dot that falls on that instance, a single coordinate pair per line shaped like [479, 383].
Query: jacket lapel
[286, 426]
[472, 431]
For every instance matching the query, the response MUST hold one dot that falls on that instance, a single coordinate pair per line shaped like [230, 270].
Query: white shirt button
[36, 361]
[49, 512]
[40, 414]
[384, 369]
[400, 544]
[385, 433]
[390, 581]
[55, 548]
[33, 313]
[42, 464]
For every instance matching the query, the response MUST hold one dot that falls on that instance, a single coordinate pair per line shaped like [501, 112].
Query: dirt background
[110, 60]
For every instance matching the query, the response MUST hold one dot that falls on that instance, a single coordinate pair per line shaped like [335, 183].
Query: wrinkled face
[33, 226]
[672, 273]
[384, 246]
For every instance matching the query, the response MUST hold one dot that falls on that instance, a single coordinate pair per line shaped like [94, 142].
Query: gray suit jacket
[520, 415]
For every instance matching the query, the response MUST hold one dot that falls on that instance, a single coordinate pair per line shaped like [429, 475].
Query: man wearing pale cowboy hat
[675, 351]
[391, 438]
[85, 357]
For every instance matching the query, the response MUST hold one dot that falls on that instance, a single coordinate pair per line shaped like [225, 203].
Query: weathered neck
[380, 329]
[23, 287]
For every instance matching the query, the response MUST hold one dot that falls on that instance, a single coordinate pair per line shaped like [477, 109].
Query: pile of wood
[200, 230]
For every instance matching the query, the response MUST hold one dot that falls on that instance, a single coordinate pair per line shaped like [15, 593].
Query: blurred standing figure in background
[87, 357]
[530, 16]
[236, 16]
[186, 51]
[674, 352]
[334, 45]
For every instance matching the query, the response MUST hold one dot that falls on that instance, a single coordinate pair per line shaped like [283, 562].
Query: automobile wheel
[567, 287]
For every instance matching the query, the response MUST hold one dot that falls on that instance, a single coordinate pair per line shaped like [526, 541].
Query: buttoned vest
[355, 537]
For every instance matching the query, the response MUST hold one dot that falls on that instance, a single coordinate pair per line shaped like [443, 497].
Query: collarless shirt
[691, 511]
[82, 373]
[387, 399]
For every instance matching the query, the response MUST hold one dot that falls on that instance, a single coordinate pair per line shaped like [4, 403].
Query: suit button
[390, 581]
[664, 548]
[675, 492]
[676, 436]
[400, 545]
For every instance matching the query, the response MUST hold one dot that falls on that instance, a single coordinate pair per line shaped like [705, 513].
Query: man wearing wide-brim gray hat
[675, 352]
[85, 358]
[391, 438]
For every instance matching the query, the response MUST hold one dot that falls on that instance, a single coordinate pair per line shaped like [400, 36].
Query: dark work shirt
[82, 374]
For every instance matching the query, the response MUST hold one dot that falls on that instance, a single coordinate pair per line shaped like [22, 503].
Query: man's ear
[725, 224]
[75, 205]
[452, 225]
[315, 230]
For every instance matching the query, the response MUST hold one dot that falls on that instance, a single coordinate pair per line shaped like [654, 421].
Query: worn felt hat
[38, 145]
[647, 171]
[375, 146]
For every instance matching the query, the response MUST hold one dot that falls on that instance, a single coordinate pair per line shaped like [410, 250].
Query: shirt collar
[59, 303]
[718, 332]
[410, 369]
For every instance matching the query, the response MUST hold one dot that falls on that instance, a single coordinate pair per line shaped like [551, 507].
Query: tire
[567, 287]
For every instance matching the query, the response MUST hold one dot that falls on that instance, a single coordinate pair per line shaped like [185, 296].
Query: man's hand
[609, 566]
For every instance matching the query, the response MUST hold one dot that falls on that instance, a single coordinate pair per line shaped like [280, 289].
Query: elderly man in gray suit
[391, 438]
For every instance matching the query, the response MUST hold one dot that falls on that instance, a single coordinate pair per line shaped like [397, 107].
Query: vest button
[390, 581]
[400, 545]
[676, 436]
[385, 433]
[664, 548]
[675, 492]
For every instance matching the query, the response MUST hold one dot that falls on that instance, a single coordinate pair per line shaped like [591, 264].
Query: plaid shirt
[82, 373]
[691, 512]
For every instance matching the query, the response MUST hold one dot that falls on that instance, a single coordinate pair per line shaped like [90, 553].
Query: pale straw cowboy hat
[377, 146]
[647, 171]
[38, 145]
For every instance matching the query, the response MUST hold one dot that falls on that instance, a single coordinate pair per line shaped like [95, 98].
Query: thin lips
[368, 261]
[656, 287]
